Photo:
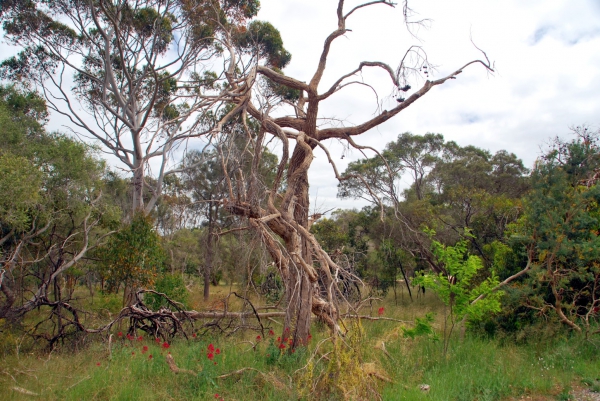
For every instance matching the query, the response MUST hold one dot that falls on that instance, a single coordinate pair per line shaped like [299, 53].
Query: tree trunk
[138, 188]
[289, 221]
[209, 257]
[299, 291]
[129, 295]
[299, 288]
[6, 286]
[137, 207]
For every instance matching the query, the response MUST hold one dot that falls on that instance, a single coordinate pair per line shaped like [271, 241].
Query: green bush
[173, 286]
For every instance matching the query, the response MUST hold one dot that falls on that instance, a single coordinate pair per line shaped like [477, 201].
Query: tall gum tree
[128, 74]
[282, 216]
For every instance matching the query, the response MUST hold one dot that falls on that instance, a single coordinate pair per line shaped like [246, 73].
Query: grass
[474, 369]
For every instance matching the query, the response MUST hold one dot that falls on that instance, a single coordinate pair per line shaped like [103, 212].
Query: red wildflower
[165, 345]
[381, 310]
[309, 337]
[120, 334]
[210, 355]
[150, 356]
[282, 346]
[271, 332]
[140, 338]
[218, 351]
[157, 340]
[129, 337]
[144, 349]
[216, 395]
[97, 363]
[278, 339]
[257, 338]
[132, 353]
[290, 341]
[194, 335]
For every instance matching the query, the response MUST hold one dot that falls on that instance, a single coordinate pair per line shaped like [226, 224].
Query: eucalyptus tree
[451, 188]
[129, 74]
[51, 209]
[475, 190]
[288, 110]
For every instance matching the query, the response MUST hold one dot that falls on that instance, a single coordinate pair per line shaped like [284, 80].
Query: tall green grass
[475, 368]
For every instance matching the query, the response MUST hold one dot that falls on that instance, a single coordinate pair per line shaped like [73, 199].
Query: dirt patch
[579, 393]
[584, 394]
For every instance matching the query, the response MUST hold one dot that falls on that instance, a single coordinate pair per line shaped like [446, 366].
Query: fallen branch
[24, 391]
[73, 385]
[174, 368]
[382, 348]
[367, 317]
[239, 372]
[12, 377]
[270, 378]
[232, 315]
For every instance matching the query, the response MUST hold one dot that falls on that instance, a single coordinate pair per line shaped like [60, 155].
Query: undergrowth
[376, 359]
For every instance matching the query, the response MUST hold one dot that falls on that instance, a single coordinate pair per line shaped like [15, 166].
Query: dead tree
[281, 216]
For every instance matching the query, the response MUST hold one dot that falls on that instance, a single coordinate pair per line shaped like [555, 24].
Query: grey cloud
[566, 34]
[539, 34]
[469, 118]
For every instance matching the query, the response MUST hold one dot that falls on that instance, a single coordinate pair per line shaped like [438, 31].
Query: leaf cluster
[460, 287]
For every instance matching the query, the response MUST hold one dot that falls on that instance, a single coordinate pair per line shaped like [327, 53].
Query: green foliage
[42, 175]
[20, 182]
[452, 188]
[282, 91]
[392, 259]
[264, 39]
[423, 328]
[331, 236]
[133, 256]
[458, 287]
[560, 228]
[26, 107]
[173, 286]
[347, 232]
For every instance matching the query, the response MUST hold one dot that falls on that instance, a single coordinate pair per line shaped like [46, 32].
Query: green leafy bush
[173, 286]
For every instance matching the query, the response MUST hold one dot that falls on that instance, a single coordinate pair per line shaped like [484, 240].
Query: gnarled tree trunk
[309, 274]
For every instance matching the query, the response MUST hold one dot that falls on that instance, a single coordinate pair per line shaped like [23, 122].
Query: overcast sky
[546, 54]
